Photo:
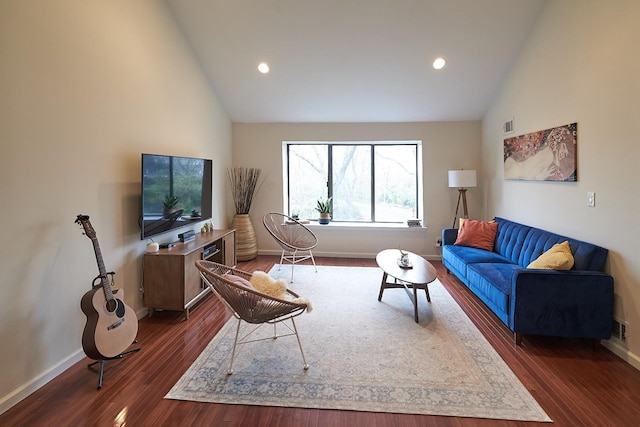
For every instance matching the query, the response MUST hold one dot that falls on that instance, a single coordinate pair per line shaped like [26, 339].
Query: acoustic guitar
[111, 325]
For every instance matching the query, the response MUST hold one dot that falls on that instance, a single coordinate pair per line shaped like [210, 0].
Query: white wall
[581, 65]
[445, 145]
[86, 87]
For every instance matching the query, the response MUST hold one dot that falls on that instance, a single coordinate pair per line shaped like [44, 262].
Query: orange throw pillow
[477, 234]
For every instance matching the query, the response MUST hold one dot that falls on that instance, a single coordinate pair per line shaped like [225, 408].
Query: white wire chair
[250, 305]
[293, 237]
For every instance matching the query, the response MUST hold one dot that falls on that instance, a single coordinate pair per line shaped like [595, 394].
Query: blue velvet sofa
[576, 303]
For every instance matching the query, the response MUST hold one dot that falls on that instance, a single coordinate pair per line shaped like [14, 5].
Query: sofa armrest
[449, 236]
[572, 304]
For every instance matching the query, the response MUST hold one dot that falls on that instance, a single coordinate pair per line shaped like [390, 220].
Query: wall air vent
[619, 330]
[507, 127]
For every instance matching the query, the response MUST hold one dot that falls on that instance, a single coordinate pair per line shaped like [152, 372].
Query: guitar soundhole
[115, 306]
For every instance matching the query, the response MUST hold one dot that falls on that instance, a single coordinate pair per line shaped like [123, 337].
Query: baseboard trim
[13, 398]
[623, 353]
[343, 254]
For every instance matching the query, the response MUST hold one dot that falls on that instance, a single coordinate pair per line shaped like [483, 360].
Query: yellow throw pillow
[558, 257]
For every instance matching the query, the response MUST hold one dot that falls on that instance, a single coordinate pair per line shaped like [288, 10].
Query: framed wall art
[545, 155]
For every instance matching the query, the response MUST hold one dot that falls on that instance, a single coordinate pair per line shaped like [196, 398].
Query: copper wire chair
[249, 305]
[295, 239]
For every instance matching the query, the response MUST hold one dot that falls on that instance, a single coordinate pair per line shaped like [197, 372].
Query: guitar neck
[91, 234]
[102, 270]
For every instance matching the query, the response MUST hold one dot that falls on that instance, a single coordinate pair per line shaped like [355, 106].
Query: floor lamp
[462, 179]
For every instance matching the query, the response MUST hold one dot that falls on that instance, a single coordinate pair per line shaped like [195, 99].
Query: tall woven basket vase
[246, 243]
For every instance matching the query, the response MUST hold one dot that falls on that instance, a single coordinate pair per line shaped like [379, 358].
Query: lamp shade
[462, 178]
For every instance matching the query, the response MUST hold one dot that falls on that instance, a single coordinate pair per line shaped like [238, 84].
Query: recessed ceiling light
[263, 68]
[439, 63]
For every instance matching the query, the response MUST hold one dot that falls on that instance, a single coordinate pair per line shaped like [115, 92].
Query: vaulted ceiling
[356, 60]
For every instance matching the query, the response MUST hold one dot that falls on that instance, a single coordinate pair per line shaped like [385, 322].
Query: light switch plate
[591, 199]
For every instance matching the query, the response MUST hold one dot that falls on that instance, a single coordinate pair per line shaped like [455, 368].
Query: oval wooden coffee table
[417, 277]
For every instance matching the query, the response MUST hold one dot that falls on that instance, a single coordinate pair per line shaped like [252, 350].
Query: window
[368, 181]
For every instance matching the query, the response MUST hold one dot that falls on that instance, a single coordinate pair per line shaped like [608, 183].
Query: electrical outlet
[438, 243]
[591, 199]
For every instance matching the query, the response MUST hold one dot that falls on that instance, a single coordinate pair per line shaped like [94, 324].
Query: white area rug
[364, 355]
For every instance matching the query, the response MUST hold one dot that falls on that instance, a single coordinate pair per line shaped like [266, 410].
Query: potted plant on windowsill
[324, 208]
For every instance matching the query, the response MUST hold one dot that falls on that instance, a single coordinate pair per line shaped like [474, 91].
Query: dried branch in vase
[245, 182]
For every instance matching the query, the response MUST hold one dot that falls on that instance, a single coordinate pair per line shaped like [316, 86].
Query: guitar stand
[101, 361]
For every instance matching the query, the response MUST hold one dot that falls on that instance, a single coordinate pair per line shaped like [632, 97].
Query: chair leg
[281, 258]
[233, 351]
[313, 261]
[293, 263]
[295, 330]
[293, 258]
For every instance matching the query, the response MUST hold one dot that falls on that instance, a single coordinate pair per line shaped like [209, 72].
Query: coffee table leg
[415, 302]
[384, 282]
[426, 289]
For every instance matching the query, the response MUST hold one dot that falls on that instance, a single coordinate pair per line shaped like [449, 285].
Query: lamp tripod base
[462, 195]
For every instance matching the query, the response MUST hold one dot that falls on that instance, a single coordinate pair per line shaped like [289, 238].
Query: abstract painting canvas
[546, 155]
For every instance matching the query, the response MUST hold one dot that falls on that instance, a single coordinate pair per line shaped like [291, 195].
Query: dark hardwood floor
[575, 385]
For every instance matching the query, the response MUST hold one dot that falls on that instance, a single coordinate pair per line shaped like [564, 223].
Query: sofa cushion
[469, 255]
[510, 239]
[492, 283]
[559, 257]
[458, 257]
[523, 244]
[477, 234]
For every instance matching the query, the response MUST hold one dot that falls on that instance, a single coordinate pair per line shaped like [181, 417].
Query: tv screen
[176, 192]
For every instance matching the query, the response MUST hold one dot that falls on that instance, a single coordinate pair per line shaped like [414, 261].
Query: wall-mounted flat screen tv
[176, 192]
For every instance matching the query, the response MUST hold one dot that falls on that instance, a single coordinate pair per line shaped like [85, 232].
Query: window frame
[286, 170]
